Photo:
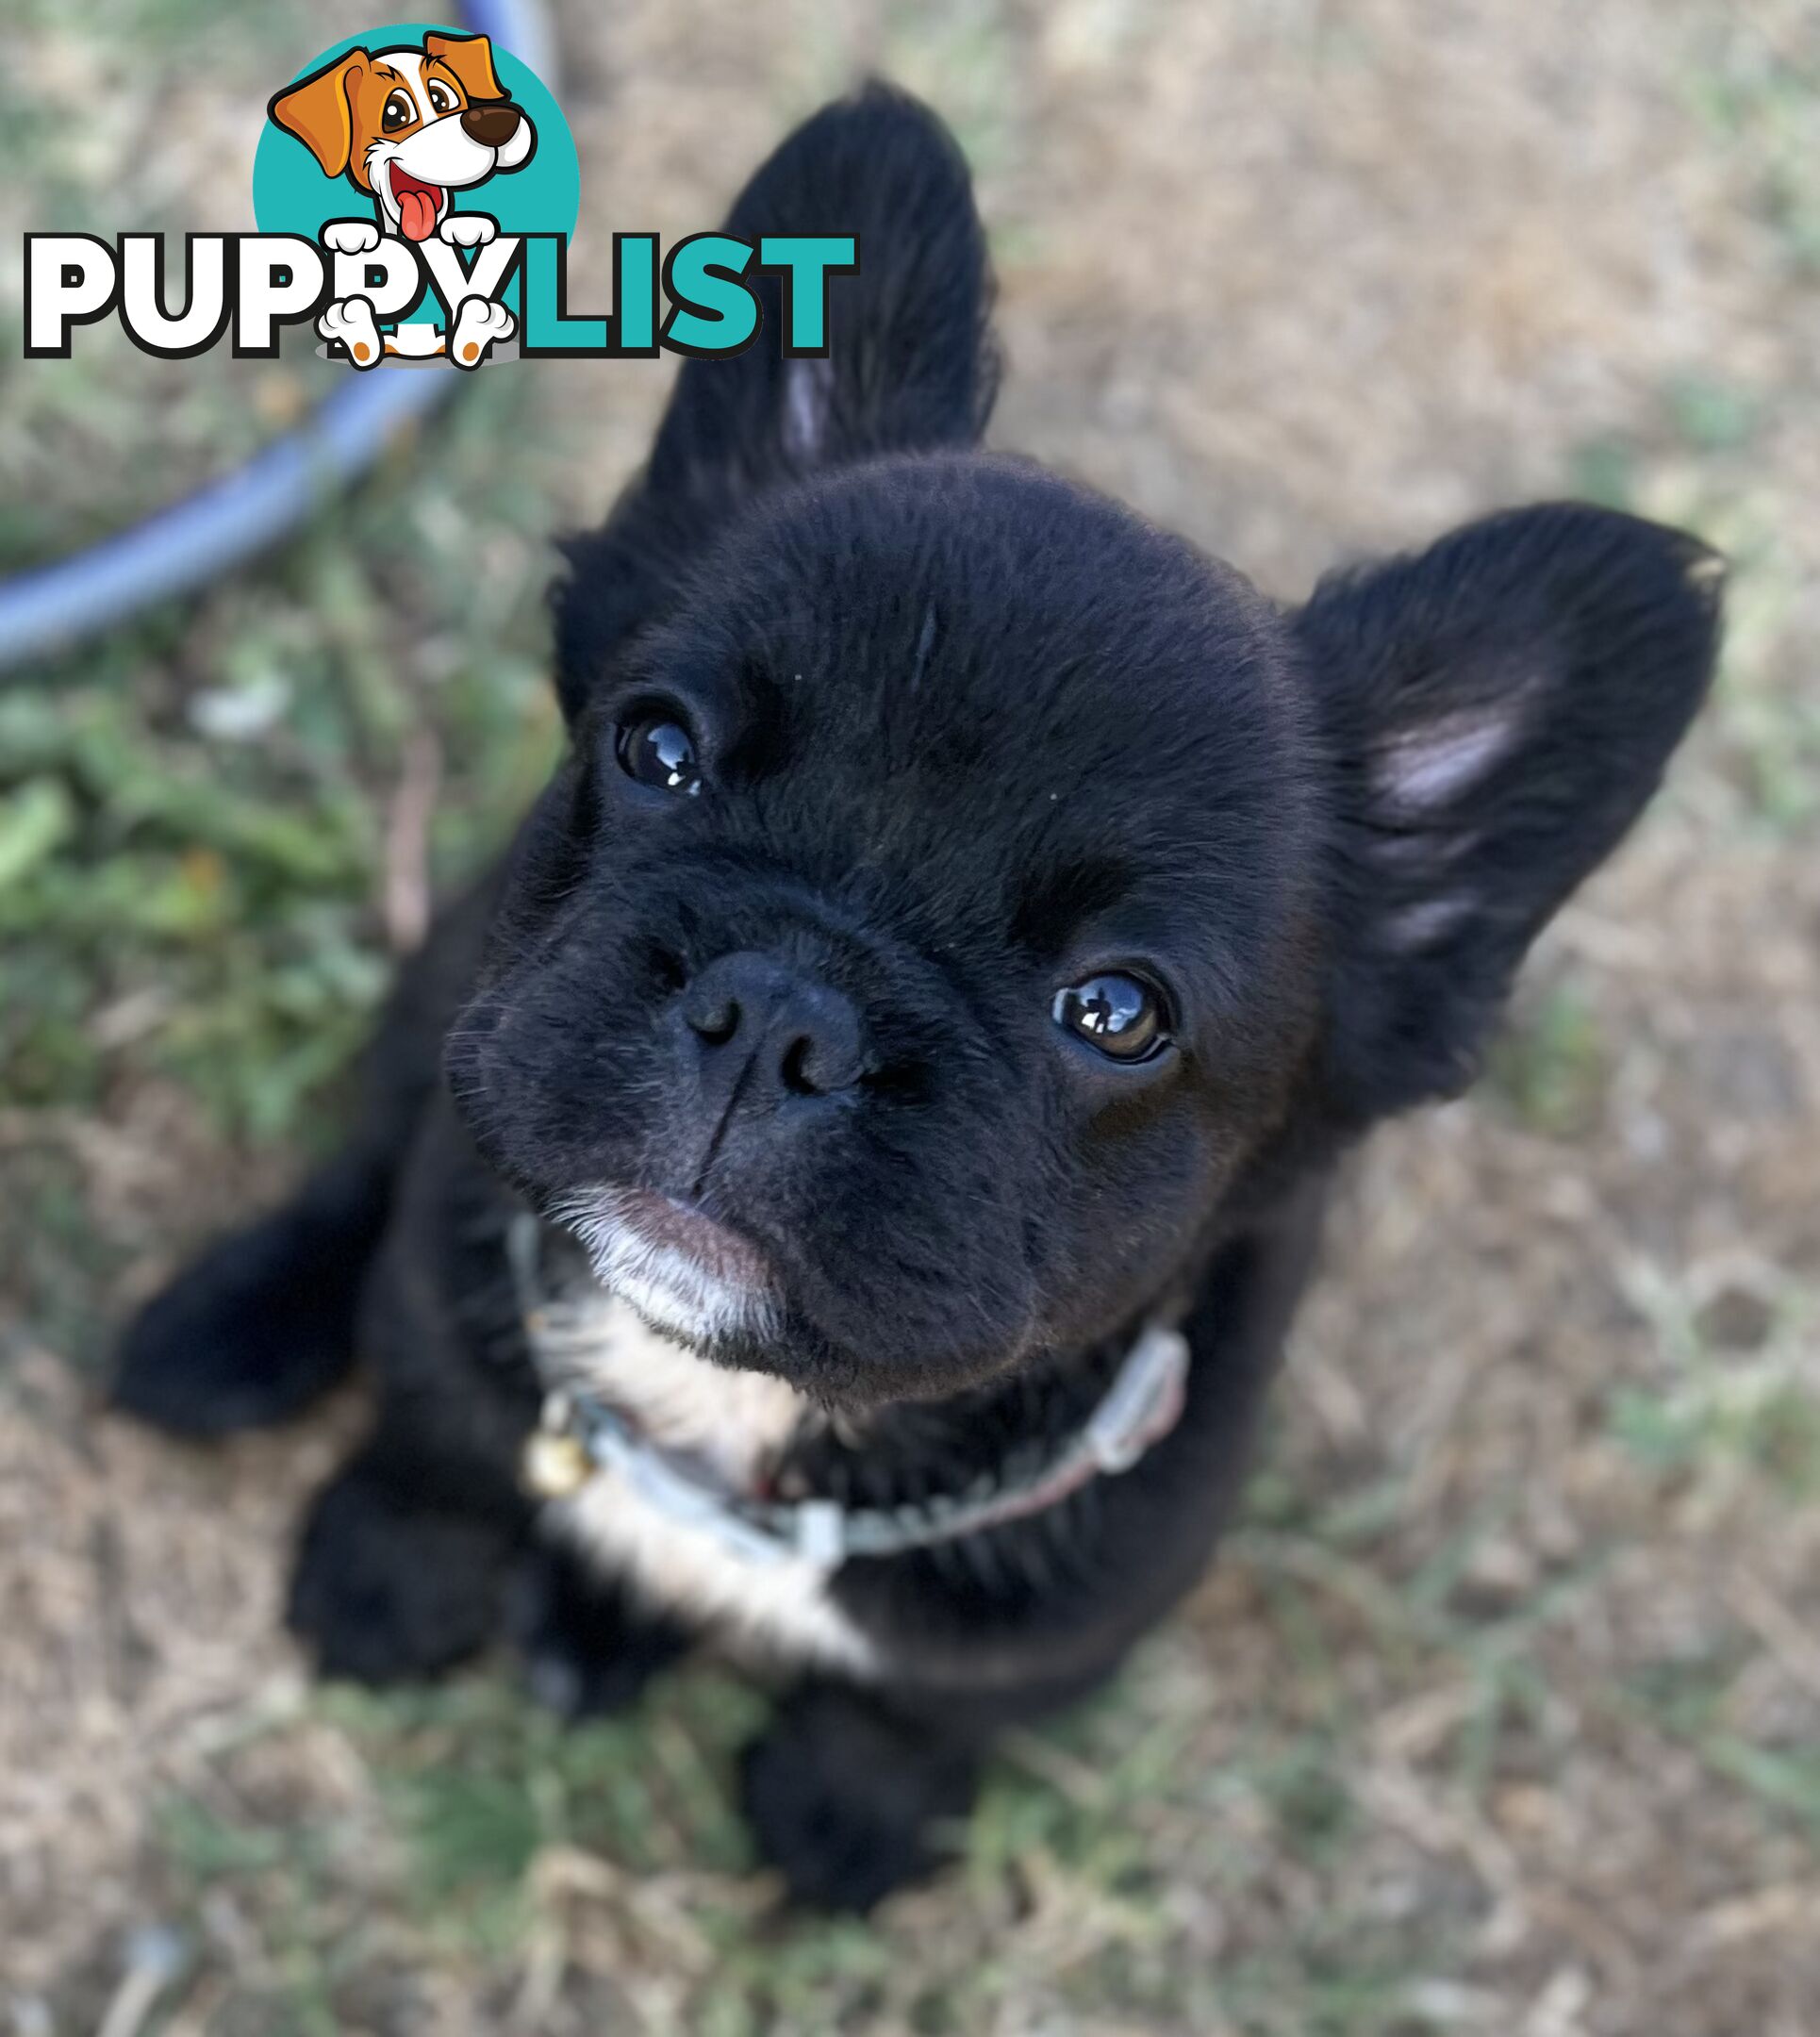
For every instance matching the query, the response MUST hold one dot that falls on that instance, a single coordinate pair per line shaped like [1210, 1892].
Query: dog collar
[580, 1438]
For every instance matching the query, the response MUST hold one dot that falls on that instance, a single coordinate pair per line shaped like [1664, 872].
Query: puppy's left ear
[470, 57]
[910, 366]
[1496, 711]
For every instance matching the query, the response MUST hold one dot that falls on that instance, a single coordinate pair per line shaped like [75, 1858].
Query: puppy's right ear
[911, 366]
[319, 110]
[1498, 709]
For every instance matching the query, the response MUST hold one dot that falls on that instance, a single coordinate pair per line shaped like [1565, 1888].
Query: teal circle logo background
[291, 195]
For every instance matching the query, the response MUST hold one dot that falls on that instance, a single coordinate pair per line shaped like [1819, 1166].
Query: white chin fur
[671, 1289]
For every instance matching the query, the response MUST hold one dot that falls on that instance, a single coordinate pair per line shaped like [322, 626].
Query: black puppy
[934, 992]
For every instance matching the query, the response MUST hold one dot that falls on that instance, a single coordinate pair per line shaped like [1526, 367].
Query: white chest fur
[779, 1610]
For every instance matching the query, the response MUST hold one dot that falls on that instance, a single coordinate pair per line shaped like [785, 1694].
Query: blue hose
[225, 522]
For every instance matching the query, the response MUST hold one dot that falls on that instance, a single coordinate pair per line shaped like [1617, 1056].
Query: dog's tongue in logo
[417, 203]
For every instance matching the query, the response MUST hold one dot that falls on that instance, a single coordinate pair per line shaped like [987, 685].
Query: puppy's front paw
[349, 237]
[846, 1803]
[384, 1590]
[468, 229]
[352, 324]
[480, 324]
[261, 1324]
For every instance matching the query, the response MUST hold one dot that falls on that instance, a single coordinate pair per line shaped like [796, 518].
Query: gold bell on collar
[555, 1462]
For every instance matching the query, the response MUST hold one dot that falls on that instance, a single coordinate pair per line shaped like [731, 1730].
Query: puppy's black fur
[968, 734]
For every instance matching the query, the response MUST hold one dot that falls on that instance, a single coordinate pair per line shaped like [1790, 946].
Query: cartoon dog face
[410, 126]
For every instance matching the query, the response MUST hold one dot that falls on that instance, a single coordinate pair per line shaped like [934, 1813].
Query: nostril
[821, 1058]
[798, 1069]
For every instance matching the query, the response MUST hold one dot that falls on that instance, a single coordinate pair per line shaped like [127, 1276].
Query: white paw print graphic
[468, 229]
[352, 323]
[480, 324]
[349, 237]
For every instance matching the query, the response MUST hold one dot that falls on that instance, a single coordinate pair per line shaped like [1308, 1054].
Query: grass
[1720, 1414]
[205, 817]
[486, 1823]
[1549, 1066]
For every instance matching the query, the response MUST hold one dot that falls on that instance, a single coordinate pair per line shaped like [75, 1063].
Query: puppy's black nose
[797, 1036]
[493, 125]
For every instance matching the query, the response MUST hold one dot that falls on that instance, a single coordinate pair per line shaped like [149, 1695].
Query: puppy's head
[410, 126]
[959, 893]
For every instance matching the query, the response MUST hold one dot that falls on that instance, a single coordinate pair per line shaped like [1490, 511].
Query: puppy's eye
[400, 112]
[442, 98]
[1122, 1016]
[658, 752]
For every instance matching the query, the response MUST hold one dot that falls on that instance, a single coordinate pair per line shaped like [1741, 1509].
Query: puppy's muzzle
[493, 125]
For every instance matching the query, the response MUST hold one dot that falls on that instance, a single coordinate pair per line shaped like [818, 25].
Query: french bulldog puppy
[891, 1084]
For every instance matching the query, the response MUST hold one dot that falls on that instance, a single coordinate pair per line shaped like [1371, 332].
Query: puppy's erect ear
[319, 110]
[910, 366]
[470, 57]
[1497, 711]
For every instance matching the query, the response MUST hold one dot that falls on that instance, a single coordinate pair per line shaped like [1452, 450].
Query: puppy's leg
[404, 1561]
[410, 1563]
[848, 1797]
[261, 1324]
[589, 1649]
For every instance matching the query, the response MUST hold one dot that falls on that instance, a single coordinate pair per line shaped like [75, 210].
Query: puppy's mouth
[671, 1226]
[688, 1275]
[419, 205]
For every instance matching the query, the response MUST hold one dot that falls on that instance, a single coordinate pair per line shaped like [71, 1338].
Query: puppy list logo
[415, 190]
